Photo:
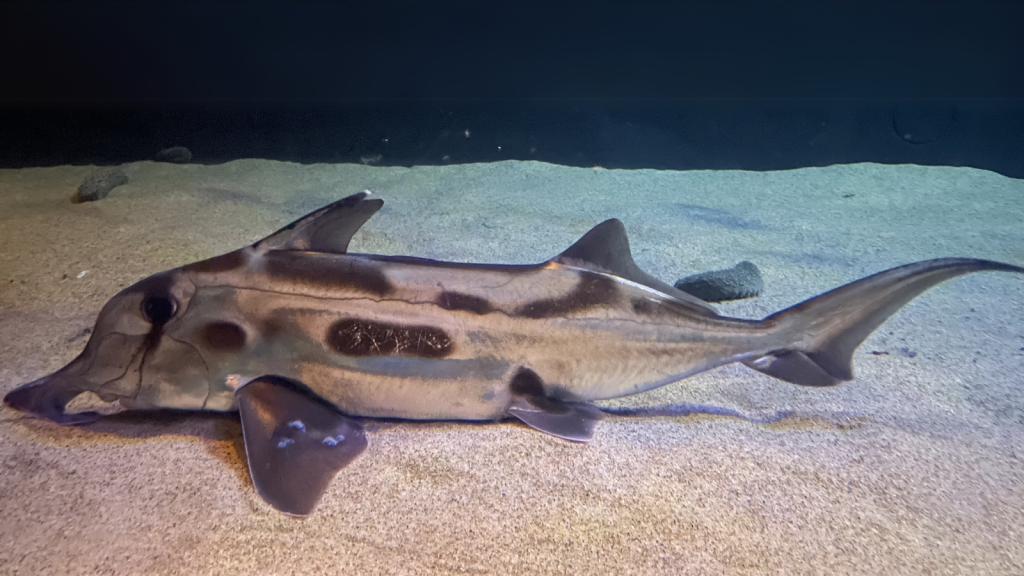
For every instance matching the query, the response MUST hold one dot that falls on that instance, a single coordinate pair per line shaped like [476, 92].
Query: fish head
[157, 345]
[136, 358]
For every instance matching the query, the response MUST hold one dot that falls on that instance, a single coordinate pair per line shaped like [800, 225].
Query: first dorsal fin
[328, 229]
[605, 248]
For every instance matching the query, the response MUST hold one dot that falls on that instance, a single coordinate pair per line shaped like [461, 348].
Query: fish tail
[824, 331]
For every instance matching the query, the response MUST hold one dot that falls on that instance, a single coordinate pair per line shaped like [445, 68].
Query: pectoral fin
[574, 421]
[295, 443]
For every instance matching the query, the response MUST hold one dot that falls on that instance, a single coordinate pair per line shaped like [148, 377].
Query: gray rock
[741, 281]
[99, 184]
[175, 155]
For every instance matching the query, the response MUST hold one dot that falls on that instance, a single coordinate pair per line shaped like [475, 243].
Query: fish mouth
[48, 397]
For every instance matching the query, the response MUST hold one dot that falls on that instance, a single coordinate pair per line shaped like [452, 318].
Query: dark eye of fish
[158, 309]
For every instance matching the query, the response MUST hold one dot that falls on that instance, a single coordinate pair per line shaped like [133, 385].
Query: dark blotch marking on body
[272, 327]
[643, 306]
[592, 290]
[223, 263]
[356, 337]
[223, 336]
[648, 307]
[328, 272]
[476, 267]
[526, 382]
[466, 302]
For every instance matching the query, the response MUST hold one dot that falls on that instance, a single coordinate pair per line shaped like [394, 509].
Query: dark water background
[672, 85]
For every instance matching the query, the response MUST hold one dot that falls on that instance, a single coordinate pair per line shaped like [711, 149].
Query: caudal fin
[826, 329]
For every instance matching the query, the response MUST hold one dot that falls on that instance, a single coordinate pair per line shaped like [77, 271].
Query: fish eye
[158, 309]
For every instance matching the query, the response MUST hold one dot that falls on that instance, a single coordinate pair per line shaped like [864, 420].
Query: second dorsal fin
[605, 248]
[328, 229]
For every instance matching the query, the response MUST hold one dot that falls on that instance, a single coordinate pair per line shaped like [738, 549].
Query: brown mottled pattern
[223, 336]
[357, 337]
[466, 302]
[328, 271]
[592, 290]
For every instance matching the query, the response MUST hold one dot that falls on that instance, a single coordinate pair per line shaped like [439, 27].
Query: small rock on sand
[175, 155]
[741, 281]
[99, 184]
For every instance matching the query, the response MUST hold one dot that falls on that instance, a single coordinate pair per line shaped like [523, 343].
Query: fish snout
[47, 398]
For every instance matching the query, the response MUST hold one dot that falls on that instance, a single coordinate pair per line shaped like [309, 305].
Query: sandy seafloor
[916, 467]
